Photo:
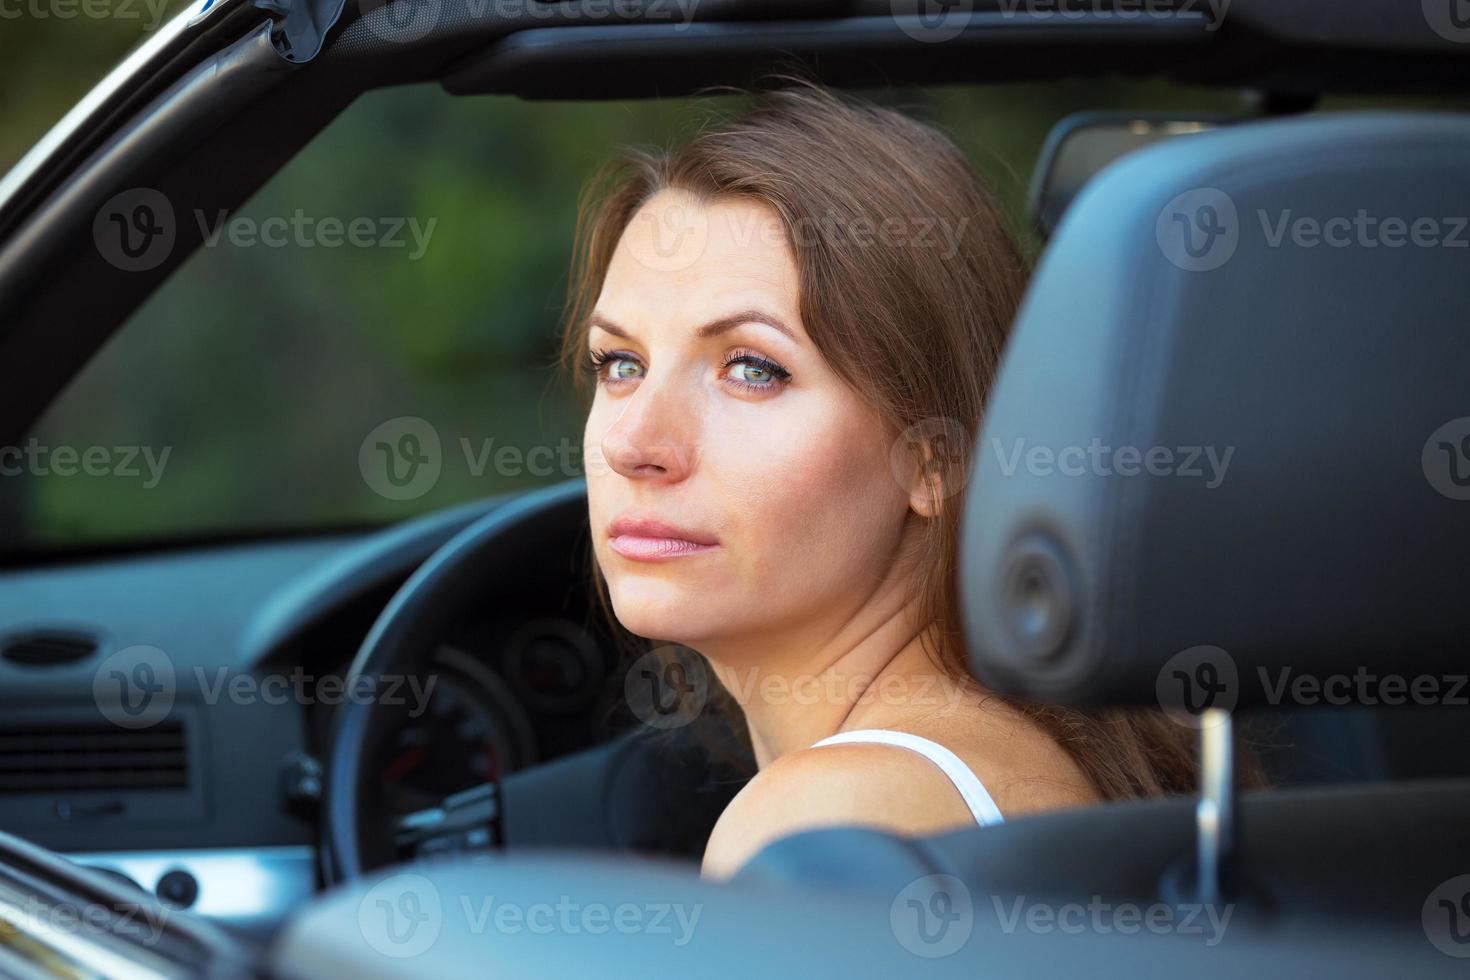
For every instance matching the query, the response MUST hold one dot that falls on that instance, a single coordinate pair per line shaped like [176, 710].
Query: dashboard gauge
[555, 666]
[463, 730]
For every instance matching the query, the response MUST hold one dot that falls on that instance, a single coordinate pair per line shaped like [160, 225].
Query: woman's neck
[864, 673]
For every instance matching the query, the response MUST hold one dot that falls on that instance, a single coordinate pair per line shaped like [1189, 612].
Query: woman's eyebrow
[712, 329]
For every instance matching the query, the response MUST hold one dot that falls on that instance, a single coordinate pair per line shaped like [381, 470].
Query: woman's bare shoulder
[883, 787]
[834, 785]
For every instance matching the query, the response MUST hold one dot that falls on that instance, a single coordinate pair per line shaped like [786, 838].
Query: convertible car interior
[360, 739]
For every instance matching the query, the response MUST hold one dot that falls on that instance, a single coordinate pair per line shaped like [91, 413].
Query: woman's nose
[654, 435]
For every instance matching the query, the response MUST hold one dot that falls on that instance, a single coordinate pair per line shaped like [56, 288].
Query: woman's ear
[939, 454]
[927, 489]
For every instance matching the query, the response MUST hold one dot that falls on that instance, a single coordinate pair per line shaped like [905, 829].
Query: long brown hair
[934, 311]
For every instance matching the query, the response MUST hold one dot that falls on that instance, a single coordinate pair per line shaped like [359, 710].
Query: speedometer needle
[404, 764]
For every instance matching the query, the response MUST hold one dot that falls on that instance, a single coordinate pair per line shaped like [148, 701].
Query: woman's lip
[640, 548]
[648, 527]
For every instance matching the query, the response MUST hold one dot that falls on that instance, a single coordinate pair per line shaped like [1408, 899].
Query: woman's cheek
[807, 491]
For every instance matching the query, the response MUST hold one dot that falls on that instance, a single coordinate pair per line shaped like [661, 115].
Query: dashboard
[212, 801]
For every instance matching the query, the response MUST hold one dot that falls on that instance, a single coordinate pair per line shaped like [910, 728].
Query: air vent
[47, 648]
[79, 757]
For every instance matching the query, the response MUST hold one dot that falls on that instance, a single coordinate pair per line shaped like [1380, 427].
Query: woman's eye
[752, 372]
[623, 369]
[608, 368]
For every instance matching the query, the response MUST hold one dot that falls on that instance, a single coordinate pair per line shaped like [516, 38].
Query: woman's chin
[662, 611]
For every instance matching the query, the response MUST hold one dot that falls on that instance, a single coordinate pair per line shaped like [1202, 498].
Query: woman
[790, 323]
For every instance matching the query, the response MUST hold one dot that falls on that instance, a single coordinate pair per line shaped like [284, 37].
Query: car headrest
[1229, 446]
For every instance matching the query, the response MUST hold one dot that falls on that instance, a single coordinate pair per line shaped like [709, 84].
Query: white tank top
[964, 779]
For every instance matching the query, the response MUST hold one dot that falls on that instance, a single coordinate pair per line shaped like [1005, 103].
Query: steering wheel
[450, 581]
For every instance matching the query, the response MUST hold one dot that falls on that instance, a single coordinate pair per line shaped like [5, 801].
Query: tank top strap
[976, 797]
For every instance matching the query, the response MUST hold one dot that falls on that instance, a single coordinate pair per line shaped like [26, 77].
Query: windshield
[372, 335]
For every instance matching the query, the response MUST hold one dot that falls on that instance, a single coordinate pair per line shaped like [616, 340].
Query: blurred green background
[261, 370]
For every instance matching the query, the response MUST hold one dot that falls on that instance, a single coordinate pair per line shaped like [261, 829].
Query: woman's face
[716, 416]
